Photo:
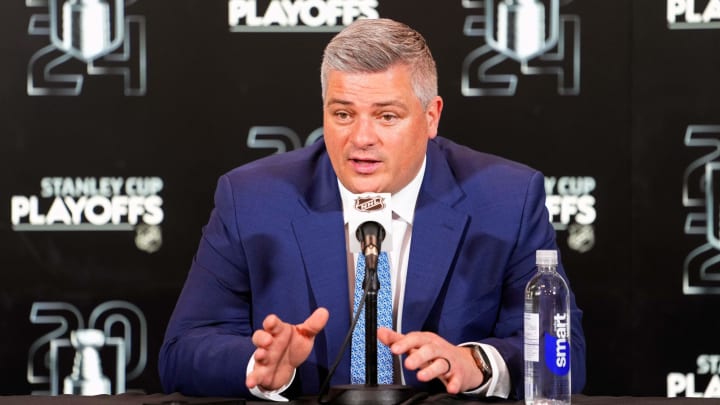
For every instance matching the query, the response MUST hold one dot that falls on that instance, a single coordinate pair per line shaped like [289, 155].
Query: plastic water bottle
[547, 334]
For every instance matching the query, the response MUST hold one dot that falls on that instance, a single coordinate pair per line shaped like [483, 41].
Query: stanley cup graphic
[521, 27]
[115, 332]
[87, 377]
[97, 33]
[531, 32]
[86, 27]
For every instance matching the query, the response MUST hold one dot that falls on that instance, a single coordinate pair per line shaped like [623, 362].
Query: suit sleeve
[535, 232]
[208, 340]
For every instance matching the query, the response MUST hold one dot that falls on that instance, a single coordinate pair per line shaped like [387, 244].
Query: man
[268, 299]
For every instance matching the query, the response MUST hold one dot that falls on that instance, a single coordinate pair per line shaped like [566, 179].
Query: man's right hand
[281, 348]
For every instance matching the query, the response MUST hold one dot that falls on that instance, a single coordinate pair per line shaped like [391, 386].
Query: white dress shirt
[403, 207]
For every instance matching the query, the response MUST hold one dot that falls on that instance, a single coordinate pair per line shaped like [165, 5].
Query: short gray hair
[375, 45]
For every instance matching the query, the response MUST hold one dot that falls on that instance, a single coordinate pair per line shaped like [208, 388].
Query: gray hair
[375, 45]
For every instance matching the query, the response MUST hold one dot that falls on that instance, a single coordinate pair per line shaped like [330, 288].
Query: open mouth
[365, 166]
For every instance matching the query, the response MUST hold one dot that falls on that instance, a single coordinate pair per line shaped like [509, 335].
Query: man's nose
[363, 133]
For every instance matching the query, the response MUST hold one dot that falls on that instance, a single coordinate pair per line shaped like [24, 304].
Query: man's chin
[363, 185]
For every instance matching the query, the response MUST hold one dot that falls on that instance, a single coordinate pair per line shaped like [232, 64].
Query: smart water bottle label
[557, 348]
[532, 336]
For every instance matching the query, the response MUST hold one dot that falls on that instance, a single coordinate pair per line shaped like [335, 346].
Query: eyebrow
[380, 104]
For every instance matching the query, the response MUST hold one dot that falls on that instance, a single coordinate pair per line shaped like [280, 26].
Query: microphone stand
[372, 285]
[371, 393]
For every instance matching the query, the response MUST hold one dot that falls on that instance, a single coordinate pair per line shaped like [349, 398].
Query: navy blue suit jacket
[275, 243]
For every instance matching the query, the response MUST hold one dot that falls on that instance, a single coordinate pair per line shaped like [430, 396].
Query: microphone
[370, 234]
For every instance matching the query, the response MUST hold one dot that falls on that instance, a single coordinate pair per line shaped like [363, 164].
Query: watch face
[478, 358]
[482, 362]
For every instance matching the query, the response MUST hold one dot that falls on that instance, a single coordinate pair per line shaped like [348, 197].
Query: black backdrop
[619, 110]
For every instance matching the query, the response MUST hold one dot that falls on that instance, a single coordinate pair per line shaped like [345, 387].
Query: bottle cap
[546, 257]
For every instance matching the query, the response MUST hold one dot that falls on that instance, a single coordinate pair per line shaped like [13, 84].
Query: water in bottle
[547, 334]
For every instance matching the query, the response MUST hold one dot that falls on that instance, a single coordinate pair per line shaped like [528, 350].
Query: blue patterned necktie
[384, 318]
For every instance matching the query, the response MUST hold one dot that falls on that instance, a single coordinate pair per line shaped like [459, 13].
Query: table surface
[442, 399]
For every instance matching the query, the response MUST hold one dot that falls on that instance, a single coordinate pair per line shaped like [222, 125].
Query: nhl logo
[369, 203]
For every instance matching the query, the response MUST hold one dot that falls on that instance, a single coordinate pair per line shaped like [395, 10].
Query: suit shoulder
[468, 163]
[271, 172]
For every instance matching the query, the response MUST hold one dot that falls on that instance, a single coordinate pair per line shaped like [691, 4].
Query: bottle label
[532, 336]
[557, 348]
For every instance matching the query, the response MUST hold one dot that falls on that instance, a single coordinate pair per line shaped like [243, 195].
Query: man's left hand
[434, 357]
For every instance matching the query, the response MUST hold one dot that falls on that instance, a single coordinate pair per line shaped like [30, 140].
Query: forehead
[392, 83]
[397, 73]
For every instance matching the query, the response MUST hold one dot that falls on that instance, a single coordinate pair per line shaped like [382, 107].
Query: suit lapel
[322, 242]
[437, 234]
[320, 233]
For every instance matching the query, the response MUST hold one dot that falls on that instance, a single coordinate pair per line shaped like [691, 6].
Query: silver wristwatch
[482, 362]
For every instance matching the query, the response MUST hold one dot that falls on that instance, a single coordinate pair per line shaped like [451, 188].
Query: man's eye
[342, 115]
[388, 117]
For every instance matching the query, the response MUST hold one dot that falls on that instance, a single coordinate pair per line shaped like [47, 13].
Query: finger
[251, 381]
[436, 368]
[443, 361]
[254, 379]
[452, 385]
[388, 336]
[261, 338]
[454, 381]
[272, 324]
[256, 374]
[421, 357]
[315, 323]
[412, 340]
[261, 355]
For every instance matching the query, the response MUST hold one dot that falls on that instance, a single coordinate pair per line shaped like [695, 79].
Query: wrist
[482, 363]
[475, 377]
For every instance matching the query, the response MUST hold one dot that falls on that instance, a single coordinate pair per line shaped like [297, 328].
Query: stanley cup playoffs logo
[86, 37]
[701, 198]
[693, 14]
[531, 33]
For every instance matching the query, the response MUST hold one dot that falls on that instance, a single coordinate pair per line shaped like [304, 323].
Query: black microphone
[370, 234]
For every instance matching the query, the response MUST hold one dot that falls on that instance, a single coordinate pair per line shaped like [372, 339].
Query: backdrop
[117, 117]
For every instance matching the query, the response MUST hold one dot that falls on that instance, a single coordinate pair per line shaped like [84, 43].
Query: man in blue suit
[268, 299]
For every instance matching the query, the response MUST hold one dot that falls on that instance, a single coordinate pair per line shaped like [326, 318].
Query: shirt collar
[403, 202]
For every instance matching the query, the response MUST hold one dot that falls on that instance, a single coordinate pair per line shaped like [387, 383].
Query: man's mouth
[365, 166]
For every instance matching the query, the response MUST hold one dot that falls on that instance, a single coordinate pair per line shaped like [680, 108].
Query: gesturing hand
[434, 357]
[282, 347]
